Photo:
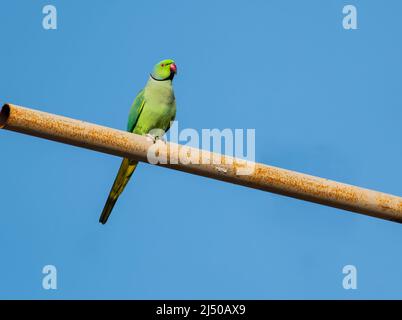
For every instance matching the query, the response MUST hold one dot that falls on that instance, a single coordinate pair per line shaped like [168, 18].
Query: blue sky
[323, 100]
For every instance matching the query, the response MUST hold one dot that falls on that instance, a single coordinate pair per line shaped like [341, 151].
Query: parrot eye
[162, 65]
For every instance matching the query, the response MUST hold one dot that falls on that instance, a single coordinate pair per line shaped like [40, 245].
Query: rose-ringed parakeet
[153, 108]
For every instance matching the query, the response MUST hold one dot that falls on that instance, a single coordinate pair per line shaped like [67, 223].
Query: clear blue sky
[323, 101]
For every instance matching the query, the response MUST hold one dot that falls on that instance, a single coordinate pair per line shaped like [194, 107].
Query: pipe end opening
[4, 115]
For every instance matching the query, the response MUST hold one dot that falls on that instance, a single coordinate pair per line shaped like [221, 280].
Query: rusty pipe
[264, 177]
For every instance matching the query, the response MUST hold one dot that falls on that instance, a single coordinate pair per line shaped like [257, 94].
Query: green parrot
[153, 108]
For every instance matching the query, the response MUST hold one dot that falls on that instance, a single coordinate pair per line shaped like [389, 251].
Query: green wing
[135, 111]
[127, 166]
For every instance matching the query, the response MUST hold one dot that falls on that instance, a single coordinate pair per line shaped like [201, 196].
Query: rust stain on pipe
[264, 177]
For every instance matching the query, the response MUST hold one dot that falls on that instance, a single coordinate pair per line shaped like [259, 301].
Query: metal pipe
[264, 177]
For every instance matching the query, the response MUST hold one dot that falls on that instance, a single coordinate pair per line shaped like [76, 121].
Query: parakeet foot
[154, 139]
[151, 137]
[162, 139]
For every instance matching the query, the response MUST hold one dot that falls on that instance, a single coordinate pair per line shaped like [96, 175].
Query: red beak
[173, 68]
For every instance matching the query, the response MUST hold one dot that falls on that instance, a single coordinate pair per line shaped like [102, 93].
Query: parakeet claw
[151, 137]
[162, 139]
[154, 139]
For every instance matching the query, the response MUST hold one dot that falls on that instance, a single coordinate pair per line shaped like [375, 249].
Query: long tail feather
[126, 170]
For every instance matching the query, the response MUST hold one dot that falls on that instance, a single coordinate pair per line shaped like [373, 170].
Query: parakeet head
[164, 70]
